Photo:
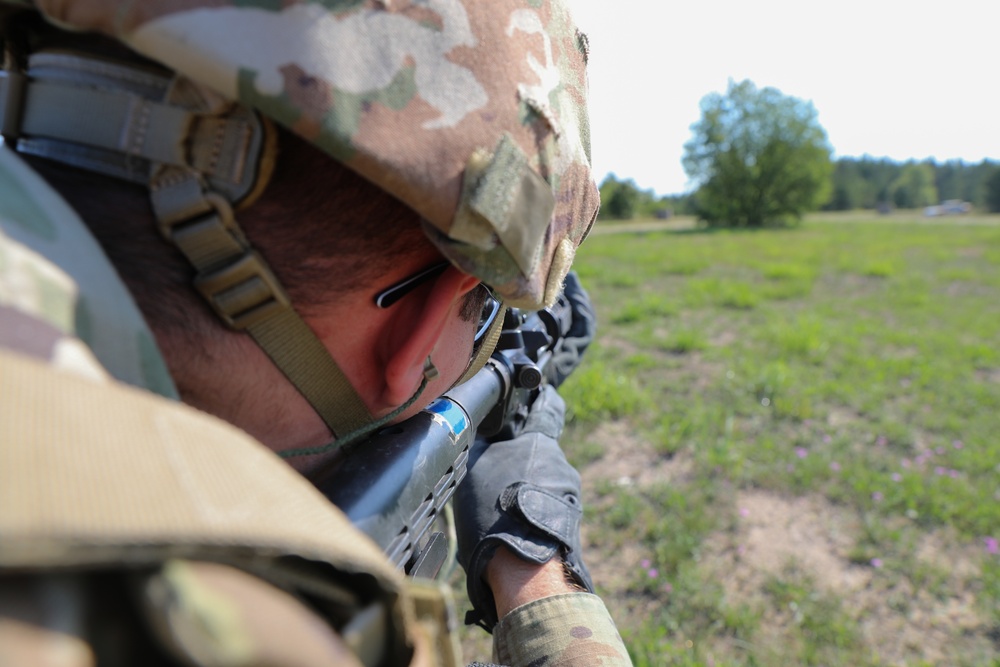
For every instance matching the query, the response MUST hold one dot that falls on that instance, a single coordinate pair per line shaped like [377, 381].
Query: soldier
[204, 246]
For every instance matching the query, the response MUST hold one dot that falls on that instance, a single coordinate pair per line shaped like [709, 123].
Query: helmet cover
[474, 114]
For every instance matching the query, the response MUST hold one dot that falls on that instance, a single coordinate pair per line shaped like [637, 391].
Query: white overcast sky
[891, 78]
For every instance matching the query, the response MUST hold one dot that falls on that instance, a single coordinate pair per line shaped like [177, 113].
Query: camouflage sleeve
[570, 629]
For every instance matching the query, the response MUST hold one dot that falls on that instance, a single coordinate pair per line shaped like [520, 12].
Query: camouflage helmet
[472, 113]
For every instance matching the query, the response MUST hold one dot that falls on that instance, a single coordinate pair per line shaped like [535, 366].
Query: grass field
[790, 441]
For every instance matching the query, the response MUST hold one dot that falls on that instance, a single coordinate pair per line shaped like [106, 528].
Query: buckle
[204, 213]
[243, 293]
[12, 90]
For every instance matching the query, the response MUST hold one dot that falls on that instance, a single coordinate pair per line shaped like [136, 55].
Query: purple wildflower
[992, 545]
[827, 439]
[896, 477]
[835, 467]
[881, 441]
[801, 452]
[645, 563]
[653, 573]
[877, 496]
[876, 562]
[957, 444]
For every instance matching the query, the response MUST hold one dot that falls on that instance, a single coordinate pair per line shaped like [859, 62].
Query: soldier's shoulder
[61, 300]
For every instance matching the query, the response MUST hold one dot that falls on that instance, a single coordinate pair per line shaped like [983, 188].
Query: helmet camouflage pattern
[472, 113]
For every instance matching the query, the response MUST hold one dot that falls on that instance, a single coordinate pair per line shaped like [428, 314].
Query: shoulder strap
[199, 154]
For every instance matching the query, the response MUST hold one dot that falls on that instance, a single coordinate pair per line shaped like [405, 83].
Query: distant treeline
[870, 183]
[857, 183]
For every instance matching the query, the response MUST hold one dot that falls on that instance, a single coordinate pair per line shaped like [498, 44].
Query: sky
[903, 79]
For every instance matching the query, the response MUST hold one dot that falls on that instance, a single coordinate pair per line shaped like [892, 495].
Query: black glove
[567, 355]
[523, 494]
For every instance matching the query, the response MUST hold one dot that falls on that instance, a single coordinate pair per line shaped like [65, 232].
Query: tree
[862, 183]
[760, 157]
[848, 187]
[992, 194]
[623, 200]
[619, 199]
[915, 186]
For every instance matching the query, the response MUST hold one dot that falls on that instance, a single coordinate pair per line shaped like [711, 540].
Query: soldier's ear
[413, 331]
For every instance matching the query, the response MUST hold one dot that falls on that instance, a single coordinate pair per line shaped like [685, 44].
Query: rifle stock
[395, 484]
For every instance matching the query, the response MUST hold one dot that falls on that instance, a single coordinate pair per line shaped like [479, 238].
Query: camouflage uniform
[134, 529]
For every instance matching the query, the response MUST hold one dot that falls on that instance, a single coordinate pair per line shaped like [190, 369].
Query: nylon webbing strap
[242, 290]
[111, 120]
[197, 152]
[294, 348]
[126, 121]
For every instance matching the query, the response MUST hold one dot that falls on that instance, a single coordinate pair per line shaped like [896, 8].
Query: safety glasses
[490, 318]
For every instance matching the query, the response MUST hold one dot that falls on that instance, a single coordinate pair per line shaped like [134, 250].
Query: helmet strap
[430, 372]
[198, 154]
[241, 289]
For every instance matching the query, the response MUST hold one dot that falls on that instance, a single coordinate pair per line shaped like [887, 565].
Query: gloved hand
[522, 494]
[567, 356]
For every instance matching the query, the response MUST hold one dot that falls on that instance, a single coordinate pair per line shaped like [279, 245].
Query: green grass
[600, 391]
[852, 360]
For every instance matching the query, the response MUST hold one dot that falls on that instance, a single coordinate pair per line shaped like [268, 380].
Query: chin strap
[430, 372]
[240, 287]
[198, 153]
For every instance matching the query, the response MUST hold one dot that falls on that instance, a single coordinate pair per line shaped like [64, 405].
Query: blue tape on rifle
[452, 413]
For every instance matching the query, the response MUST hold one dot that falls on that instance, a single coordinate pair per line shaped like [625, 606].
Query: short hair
[324, 230]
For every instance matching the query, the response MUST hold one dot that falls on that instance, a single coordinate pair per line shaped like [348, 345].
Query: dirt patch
[935, 621]
[969, 252]
[630, 460]
[988, 375]
[613, 568]
[838, 417]
[620, 344]
[724, 338]
[773, 532]
[705, 373]
[900, 620]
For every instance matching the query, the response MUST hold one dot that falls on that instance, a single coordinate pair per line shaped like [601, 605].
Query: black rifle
[395, 484]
